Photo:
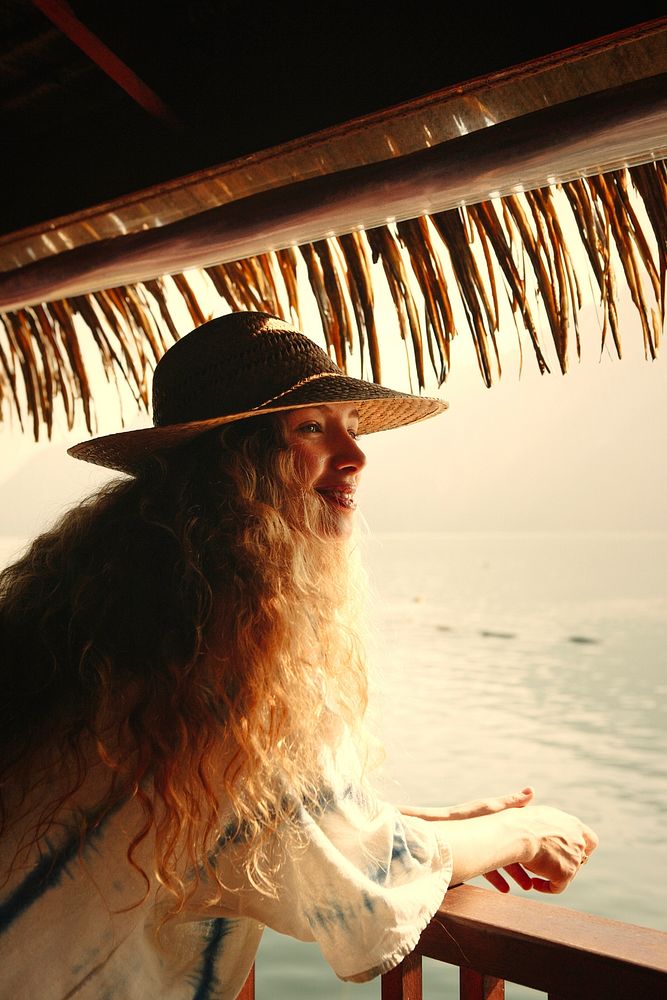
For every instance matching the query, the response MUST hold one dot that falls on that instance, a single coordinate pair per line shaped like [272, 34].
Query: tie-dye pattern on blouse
[79, 922]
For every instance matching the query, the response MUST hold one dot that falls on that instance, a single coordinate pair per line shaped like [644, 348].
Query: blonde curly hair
[191, 635]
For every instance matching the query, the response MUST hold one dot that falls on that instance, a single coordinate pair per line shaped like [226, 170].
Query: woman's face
[324, 438]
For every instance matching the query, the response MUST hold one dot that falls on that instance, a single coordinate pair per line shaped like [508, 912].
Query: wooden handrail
[566, 954]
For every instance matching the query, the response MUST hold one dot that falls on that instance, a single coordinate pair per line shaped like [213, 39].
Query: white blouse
[359, 878]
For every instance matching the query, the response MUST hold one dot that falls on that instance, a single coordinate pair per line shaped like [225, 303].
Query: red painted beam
[61, 14]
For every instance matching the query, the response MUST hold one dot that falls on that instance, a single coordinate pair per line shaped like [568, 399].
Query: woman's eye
[354, 433]
[310, 428]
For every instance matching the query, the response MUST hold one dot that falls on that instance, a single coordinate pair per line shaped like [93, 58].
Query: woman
[184, 754]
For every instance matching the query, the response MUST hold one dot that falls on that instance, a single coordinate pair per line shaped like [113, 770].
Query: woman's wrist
[484, 843]
[526, 842]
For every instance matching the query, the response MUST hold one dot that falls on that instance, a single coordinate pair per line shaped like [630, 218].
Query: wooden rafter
[61, 14]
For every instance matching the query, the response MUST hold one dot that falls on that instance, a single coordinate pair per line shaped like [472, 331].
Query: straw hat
[241, 365]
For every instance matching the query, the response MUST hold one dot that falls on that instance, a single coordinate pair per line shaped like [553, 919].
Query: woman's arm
[477, 807]
[548, 843]
[483, 807]
[554, 841]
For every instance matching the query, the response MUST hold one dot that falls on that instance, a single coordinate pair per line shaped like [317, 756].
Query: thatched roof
[524, 185]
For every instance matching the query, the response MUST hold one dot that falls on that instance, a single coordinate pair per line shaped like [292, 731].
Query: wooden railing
[495, 939]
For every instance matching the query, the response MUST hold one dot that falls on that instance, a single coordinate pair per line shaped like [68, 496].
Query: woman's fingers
[498, 803]
[542, 885]
[517, 800]
[497, 881]
[516, 872]
[520, 876]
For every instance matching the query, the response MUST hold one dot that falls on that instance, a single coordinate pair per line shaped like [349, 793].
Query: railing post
[248, 990]
[405, 981]
[474, 985]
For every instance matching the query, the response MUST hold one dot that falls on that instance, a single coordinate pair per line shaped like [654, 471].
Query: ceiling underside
[230, 79]
[143, 142]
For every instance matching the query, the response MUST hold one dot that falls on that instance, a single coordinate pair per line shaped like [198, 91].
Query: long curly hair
[191, 635]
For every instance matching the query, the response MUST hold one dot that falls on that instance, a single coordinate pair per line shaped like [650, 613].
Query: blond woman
[184, 757]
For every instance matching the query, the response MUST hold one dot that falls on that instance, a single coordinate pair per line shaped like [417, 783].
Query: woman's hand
[476, 807]
[539, 847]
[561, 845]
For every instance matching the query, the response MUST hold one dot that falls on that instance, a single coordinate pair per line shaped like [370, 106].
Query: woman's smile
[339, 496]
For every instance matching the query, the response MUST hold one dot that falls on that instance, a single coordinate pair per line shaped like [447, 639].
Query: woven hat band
[205, 375]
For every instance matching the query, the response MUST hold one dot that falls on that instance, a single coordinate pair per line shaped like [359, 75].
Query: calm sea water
[504, 660]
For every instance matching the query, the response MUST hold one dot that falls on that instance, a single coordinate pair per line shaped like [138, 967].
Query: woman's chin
[345, 526]
[338, 522]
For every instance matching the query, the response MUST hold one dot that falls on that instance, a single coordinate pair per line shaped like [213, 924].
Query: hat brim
[379, 408]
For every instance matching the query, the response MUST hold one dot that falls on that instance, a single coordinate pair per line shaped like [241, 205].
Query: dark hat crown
[232, 364]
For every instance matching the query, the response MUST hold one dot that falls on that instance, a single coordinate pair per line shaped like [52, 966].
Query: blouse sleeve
[356, 876]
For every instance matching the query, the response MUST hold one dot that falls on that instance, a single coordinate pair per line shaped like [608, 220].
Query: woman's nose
[350, 455]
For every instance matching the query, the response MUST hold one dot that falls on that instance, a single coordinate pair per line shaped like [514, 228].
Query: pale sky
[585, 451]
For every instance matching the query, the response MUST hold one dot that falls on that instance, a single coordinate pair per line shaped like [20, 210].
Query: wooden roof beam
[61, 14]
[394, 132]
[607, 131]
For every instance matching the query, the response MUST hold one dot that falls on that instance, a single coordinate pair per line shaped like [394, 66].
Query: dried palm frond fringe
[443, 271]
